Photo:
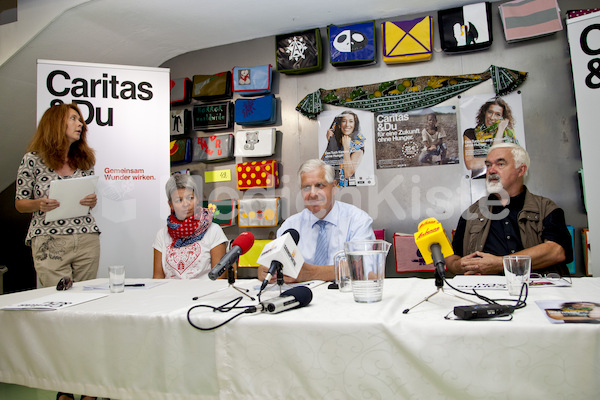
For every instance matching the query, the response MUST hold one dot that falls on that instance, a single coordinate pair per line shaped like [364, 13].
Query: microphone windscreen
[294, 234]
[245, 240]
[431, 231]
[301, 293]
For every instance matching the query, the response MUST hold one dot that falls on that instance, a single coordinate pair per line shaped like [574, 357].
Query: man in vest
[511, 220]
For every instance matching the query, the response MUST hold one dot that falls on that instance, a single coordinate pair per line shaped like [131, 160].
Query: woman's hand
[89, 201]
[47, 204]
[502, 125]
[346, 140]
[329, 134]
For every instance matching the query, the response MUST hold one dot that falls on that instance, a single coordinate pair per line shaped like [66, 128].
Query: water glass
[116, 278]
[516, 270]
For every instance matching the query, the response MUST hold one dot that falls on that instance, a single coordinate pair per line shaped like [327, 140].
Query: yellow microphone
[433, 244]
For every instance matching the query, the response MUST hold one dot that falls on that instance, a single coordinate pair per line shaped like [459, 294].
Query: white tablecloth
[139, 344]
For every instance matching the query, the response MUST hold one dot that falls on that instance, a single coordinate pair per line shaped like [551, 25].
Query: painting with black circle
[352, 45]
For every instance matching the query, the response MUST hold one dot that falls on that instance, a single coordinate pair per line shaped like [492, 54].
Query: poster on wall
[485, 120]
[417, 138]
[584, 45]
[346, 142]
[126, 110]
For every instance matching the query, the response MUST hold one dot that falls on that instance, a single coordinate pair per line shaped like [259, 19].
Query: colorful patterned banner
[407, 94]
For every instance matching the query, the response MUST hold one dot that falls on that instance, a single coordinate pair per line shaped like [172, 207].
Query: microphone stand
[439, 283]
[231, 281]
[279, 283]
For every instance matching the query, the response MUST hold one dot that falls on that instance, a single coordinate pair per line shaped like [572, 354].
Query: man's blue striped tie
[322, 250]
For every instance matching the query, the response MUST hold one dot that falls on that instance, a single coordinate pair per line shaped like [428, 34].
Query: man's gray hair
[181, 181]
[519, 154]
[314, 164]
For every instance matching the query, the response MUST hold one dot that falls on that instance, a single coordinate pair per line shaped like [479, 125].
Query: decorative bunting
[407, 94]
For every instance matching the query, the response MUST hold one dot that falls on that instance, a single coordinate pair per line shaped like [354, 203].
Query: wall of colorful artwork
[402, 185]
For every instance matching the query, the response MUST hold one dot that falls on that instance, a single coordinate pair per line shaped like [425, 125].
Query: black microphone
[296, 297]
[273, 269]
[276, 265]
[294, 233]
[240, 245]
[438, 259]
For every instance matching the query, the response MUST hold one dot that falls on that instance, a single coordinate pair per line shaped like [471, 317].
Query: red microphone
[240, 246]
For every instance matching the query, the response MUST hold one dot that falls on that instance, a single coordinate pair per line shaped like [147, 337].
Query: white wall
[32, 17]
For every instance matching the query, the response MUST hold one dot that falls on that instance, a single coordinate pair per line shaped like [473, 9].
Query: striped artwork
[528, 19]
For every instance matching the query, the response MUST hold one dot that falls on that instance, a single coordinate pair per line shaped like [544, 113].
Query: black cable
[519, 303]
[223, 308]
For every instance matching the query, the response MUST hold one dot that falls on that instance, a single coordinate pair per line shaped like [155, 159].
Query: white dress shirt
[347, 223]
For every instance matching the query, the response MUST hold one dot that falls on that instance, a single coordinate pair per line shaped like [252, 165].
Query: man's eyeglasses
[549, 279]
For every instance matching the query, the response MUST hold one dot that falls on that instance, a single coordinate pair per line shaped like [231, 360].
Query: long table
[140, 345]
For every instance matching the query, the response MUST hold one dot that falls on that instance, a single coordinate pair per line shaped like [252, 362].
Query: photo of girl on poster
[495, 123]
[345, 146]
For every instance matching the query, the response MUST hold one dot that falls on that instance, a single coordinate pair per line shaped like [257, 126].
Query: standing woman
[59, 150]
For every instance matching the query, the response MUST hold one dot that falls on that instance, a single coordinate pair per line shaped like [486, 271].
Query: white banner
[584, 42]
[127, 112]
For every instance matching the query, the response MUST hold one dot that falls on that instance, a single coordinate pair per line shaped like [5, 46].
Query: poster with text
[417, 138]
[485, 120]
[126, 109]
[346, 142]
[584, 45]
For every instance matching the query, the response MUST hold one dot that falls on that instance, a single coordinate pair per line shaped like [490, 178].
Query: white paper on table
[479, 282]
[128, 285]
[69, 193]
[496, 282]
[55, 301]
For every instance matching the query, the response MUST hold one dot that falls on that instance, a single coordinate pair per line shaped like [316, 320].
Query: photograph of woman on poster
[345, 146]
[578, 312]
[495, 124]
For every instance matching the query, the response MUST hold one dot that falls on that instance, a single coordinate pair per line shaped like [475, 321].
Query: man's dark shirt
[504, 237]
